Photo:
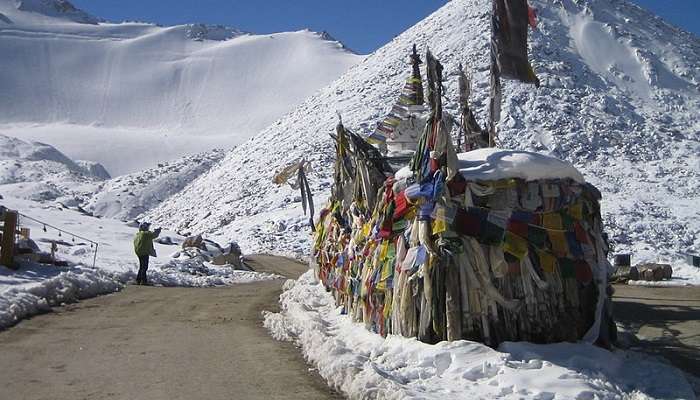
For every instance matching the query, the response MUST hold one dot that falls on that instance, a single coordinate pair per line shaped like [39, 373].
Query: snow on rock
[34, 288]
[202, 32]
[94, 169]
[130, 95]
[671, 283]
[494, 164]
[364, 365]
[491, 164]
[636, 141]
[128, 196]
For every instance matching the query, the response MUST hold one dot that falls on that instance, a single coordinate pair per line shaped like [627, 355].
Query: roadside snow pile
[626, 120]
[193, 272]
[128, 196]
[34, 288]
[364, 365]
[671, 283]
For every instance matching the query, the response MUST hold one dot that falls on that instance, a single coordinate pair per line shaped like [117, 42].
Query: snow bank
[365, 365]
[34, 288]
[671, 283]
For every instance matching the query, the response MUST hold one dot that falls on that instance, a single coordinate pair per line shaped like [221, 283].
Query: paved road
[666, 319]
[160, 343]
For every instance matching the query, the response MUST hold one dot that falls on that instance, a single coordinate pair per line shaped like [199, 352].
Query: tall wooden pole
[8, 239]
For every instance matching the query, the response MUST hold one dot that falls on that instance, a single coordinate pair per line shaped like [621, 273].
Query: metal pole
[94, 258]
[8, 239]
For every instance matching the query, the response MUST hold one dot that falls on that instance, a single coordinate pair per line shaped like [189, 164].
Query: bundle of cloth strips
[437, 252]
[490, 245]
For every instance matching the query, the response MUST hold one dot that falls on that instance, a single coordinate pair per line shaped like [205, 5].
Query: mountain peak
[324, 35]
[200, 32]
[57, 9]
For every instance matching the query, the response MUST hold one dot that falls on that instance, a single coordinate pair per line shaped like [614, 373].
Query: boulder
[194, 241]
[654, 272]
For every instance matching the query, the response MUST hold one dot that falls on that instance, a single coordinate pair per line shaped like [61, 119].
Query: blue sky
[363, 25]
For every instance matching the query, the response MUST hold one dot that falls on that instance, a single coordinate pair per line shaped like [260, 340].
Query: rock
[165, 240]
[232, 257]
[27, 246]
[654, 272]
[668, 271]
[194, 241]
[633, 273]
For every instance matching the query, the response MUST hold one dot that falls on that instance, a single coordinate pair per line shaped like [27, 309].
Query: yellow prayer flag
[552, 221]
[547, 261]
[366, 229]
[384, 250]
[576, 211]
[559, 245]
[515, 245]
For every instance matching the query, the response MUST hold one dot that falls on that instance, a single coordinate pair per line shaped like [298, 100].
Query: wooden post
[8, 239]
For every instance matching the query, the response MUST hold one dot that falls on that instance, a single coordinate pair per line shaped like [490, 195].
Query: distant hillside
[77, 83]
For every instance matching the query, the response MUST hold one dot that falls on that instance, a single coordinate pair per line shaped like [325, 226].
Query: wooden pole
[8, 239]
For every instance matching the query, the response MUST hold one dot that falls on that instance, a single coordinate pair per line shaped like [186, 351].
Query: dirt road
[667, 320]
[160, 343]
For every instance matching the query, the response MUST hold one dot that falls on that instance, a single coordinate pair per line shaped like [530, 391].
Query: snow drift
[364, 365]
[627, 120]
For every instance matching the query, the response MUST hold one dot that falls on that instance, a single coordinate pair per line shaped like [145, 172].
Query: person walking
[143, 247]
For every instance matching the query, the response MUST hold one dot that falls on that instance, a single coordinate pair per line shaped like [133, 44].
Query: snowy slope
[40, 172]
[128, 196]
[150, 92]
[619, 99]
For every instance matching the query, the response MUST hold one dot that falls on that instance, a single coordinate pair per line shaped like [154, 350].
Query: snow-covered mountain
[38, 171]
[619, 98]
[131, 94]
[128, 196]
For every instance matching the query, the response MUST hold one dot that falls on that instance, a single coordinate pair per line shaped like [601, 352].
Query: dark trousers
[143, 267]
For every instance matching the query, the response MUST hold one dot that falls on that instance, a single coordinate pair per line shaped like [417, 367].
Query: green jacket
[143, 243]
